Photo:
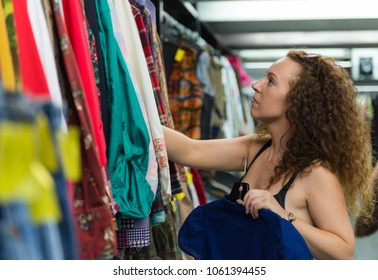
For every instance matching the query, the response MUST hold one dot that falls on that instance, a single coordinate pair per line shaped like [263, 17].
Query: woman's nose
[255, 85]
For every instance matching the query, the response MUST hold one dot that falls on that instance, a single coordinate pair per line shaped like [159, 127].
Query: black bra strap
[290, 182]
[281, 195]
[263, 148]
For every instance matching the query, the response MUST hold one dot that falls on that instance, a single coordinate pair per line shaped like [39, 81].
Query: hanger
[174, 31]
[239, 189]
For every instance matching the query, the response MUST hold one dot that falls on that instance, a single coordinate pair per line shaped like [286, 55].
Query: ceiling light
[213, 11]
[321, 38]
[266, 65]
[268, 54]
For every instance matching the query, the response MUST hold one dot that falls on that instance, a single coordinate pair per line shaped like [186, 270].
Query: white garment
[131, 34]
[228, 125]
[246, 100]
[203, 74]
[46, 54]
[234, 119]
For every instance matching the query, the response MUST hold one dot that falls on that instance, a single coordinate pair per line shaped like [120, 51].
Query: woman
[311, 140]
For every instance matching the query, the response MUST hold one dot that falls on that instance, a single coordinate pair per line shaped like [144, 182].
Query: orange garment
[6, 63]
[186, 93]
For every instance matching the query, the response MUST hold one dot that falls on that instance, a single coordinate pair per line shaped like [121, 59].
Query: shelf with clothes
[215, 105]
[48, 75]
[82, 85]
[218, 78]
[135, 235]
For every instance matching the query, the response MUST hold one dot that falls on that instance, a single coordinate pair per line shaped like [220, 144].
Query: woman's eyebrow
[272, 74]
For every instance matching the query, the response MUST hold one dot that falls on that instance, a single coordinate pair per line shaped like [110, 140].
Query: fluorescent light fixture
[345, 64]
[361, 88]
[213, 11]
[266, 65]
[321, 38]
[336, 53]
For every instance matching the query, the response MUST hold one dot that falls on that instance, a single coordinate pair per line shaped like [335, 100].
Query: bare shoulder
[324, 194]
[319, 177]
[255, 144]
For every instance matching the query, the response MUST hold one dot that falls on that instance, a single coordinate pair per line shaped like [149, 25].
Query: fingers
[253, 205]
[255, 200]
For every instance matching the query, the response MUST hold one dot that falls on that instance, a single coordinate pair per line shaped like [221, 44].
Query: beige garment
[164, 93]
[220, 98]
[63, 80]
[185, 206]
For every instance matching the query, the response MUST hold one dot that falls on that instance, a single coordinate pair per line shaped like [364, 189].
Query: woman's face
[269, 101]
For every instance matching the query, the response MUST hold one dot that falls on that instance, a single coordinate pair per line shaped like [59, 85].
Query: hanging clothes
[177, 177]
[59, 64]
[66, 224]
[6, 61]
[199, 186]
[33, 78]
[219, 116]
[164, 243]
[74, 20]
[130, 31]
[97, 63]
[129, 141]
[33, 207]
[234, 121]
[124, 10]
[150, 7]
[98, 66]
[9, 17]
[135, 231]
[157, 211]
[152, 169]
[246, 94]
[91, 200]
[43, 43]
[203, 74]
[191, 188]
[84, 72]
[21, 243]
[146, 42]
[186, 92]
[244, 78]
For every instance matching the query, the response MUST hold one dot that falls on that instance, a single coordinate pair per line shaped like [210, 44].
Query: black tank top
[281, 195]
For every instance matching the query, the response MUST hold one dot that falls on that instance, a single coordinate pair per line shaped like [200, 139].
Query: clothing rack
[170, 23]
[181, 16]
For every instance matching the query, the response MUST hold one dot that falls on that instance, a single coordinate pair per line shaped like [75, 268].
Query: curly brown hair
[327, 129]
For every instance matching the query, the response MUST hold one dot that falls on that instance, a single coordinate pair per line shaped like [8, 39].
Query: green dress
[128, 148]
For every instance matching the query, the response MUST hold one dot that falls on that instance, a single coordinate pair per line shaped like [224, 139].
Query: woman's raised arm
[214, 154]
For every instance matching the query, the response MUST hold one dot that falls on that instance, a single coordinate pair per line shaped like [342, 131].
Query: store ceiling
[282, 24]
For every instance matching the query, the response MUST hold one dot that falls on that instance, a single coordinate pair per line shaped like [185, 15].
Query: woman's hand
[256, 199]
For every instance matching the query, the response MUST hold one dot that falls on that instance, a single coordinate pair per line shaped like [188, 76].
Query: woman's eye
[270, 81]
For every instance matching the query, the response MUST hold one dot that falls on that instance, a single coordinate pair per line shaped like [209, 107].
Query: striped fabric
[186, 93]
